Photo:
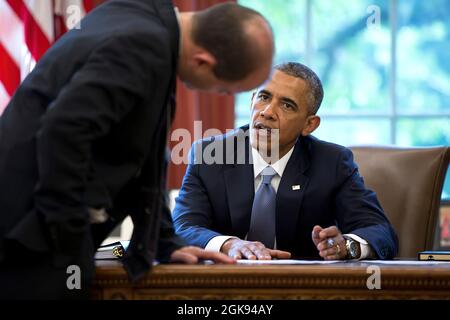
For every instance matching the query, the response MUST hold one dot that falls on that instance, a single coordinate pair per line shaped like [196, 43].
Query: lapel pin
[296, 187]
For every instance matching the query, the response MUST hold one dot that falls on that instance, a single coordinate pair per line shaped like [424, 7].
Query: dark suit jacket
[217, 199]
[87, 128]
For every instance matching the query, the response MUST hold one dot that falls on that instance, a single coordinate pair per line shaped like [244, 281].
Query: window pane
[352, 54]
[350, 132]
[423, 132]
[287, 19]
[423, 56]
[242, 109]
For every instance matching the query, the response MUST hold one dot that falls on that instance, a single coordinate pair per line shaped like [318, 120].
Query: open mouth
[261, 126]
[263, 130]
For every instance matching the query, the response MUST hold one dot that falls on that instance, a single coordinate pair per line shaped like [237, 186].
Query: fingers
[331, 253]
[191, 255]
[249, 253]
[278, 254]
[183, 257]
[249, 250]
[325, 244]
[235, 254]
[255, 251]
[315, 234]
[217, 257]
[329, 242]
[238, 251]
[261, 252]
[329, 232]
[335, 252]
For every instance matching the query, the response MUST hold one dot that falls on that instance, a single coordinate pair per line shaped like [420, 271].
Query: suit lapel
[240, 197]
[290, 196]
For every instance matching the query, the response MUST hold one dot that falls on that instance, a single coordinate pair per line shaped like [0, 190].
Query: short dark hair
[298, 70]
[221, 29]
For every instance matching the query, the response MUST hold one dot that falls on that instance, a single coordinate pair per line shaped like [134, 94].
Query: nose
[268, 111]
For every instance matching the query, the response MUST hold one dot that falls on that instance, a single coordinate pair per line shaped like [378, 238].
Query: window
[385, 67]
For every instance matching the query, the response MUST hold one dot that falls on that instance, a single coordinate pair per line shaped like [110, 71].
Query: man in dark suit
[313, 202]
[82, 142]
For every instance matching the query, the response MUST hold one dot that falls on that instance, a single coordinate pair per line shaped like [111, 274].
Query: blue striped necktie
[262, 224]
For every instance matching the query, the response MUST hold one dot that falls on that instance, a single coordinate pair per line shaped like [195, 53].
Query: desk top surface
[113, 268]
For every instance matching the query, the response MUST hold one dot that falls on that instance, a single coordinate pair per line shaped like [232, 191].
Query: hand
[239, 249]
[329, 242]
[192, 255]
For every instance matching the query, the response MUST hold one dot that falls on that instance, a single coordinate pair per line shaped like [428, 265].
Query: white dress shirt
[215, 244]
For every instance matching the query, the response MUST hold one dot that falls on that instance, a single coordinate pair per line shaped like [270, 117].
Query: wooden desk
[336, 281]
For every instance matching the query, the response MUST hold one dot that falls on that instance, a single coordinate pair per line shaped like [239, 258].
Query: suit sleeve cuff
[366, 250]
[216, 243]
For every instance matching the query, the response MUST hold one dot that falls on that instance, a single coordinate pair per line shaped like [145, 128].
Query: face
[281, 103]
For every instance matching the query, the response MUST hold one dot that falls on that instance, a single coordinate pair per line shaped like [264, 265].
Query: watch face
[354, 249]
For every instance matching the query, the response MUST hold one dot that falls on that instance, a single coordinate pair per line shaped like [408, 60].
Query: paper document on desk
[287, 261]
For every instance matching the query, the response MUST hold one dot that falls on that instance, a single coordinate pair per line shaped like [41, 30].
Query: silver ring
[330, 242]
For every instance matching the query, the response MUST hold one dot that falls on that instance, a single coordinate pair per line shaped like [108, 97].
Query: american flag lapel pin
[296, 187]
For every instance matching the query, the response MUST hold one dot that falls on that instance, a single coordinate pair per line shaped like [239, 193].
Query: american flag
[27, 29]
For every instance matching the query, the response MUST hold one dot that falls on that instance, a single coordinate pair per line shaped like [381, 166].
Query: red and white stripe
[27, 29]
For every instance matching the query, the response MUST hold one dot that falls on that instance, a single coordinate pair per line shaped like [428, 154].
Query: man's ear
[204, 58]
[312, 123]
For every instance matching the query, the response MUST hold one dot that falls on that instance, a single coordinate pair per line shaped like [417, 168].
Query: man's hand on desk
[192, 255]
[329, 242]
[252, 250]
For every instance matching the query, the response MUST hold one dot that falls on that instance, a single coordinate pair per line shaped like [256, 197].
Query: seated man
[311, 202]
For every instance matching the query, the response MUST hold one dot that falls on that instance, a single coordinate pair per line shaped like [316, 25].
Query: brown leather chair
[408, 183]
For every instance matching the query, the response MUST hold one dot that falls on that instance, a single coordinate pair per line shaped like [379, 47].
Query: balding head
[239, 38]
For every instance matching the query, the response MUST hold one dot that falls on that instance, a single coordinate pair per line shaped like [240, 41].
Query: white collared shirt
[259, 164]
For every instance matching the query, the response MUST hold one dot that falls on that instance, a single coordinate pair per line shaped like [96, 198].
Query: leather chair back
[408, 183]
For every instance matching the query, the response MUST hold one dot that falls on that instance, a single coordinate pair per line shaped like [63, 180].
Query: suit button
[138, 173]
[140, 246]
[147, 210]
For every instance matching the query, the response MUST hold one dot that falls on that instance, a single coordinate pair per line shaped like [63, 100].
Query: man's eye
[288, 106]
[263, 97]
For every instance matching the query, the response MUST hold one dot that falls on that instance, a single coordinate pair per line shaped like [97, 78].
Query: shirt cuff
[366, 250]
[215, 244]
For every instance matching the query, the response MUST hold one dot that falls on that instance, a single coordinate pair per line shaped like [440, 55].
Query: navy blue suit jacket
[216, 199]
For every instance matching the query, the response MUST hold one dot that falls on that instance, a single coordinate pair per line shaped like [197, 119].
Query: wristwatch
[353, 248]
